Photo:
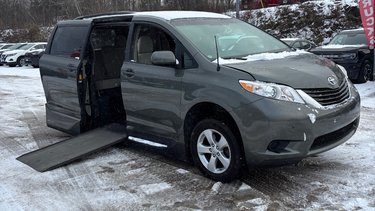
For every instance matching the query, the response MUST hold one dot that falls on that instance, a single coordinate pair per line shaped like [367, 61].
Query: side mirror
[325, 42]
[163, 58]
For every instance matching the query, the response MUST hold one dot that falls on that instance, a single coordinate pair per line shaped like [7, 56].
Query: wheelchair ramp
[67, 151]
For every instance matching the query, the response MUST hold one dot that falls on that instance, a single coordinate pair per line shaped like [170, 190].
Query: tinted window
[349, 39]
[188, 61]
[26, 47]
[68, 41]
[297, 45]
[6, 46]
[305, 45]
[16, 46]
[41, 46]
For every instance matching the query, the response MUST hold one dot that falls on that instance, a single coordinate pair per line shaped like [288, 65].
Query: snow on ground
[367, 92]
[132, 177]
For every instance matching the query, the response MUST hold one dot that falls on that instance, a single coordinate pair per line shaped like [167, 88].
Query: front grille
[330, 96]
[331, 138]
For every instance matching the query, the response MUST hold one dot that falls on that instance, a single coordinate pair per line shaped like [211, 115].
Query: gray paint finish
[158, 99]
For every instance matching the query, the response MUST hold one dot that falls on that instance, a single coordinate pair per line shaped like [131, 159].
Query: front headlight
[348, 56]
[274, 91]
[10, 55]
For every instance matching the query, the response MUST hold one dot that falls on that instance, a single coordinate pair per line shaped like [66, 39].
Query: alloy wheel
[213, 151]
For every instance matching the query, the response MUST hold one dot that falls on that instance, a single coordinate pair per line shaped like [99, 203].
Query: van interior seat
[145, 48]
[108, 62]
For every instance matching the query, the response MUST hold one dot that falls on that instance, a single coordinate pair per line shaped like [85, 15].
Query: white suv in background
[17, 57]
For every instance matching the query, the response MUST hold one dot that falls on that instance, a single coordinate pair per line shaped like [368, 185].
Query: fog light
[278, 146]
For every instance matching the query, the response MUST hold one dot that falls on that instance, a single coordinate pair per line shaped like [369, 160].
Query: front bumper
[276, 132]
[8, 60]
[2, 59]
[11, 60]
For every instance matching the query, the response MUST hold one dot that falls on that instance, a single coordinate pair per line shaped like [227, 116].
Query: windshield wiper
[235, 57]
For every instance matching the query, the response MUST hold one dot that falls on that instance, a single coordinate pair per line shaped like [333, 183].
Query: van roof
[166, 15]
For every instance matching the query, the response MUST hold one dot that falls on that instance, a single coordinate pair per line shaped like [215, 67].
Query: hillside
[315, 20]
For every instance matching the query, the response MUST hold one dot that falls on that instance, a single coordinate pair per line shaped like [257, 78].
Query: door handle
[129, 73]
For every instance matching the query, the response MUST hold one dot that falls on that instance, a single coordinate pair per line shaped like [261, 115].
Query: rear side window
[68, 41]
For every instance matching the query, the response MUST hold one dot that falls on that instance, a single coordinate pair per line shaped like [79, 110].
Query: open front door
[59, 69]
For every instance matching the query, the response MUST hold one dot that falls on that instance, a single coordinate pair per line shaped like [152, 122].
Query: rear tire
[365, 74]
[215, 150]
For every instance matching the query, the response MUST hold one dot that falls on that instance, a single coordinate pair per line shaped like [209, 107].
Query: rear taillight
[76, 54]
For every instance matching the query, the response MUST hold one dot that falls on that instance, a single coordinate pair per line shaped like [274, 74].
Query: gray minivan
[212, 89]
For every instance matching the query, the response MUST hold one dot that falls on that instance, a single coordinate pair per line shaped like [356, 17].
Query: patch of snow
[367, 93]
[170, 15]
[182, 171]
[312, 117]
[262, 56]
[216, 187]
[353, 30]
[289, 39]
[254, 204]
[332, 46]
[155, 188]
[244, 186]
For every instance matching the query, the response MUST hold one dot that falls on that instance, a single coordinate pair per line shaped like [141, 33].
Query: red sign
[367, 9]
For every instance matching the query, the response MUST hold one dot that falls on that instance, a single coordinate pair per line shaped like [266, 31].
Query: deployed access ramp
[67, 151]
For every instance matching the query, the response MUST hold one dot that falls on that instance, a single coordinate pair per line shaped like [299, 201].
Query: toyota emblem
[332, 80]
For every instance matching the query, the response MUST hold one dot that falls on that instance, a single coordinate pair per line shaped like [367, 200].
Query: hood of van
[304, 71]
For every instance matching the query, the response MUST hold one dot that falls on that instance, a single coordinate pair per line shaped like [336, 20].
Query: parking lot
[135, 177]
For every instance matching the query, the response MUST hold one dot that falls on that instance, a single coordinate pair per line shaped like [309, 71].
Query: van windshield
[235, 38]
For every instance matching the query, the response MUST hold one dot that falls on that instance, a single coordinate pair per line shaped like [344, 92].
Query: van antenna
[217, 54]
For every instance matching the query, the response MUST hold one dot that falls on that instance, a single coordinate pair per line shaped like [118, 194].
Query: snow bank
[317, 21]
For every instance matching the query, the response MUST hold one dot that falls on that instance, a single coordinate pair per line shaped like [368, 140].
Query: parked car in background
[9, 48]
[299, 43]
[17, 56]
[32, 57]
[349, 49]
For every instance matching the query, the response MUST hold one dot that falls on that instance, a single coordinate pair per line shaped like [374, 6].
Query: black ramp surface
[67, 151]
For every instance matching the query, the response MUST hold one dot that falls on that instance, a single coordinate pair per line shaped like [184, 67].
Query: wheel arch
[206, 110]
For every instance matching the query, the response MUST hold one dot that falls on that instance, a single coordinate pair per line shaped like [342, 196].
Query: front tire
[366, 71]
[21, 61]
[215, 150]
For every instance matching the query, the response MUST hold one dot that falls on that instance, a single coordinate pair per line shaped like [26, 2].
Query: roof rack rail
[103, 14]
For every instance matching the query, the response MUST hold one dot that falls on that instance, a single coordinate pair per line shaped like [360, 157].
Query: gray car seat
[145, 47]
